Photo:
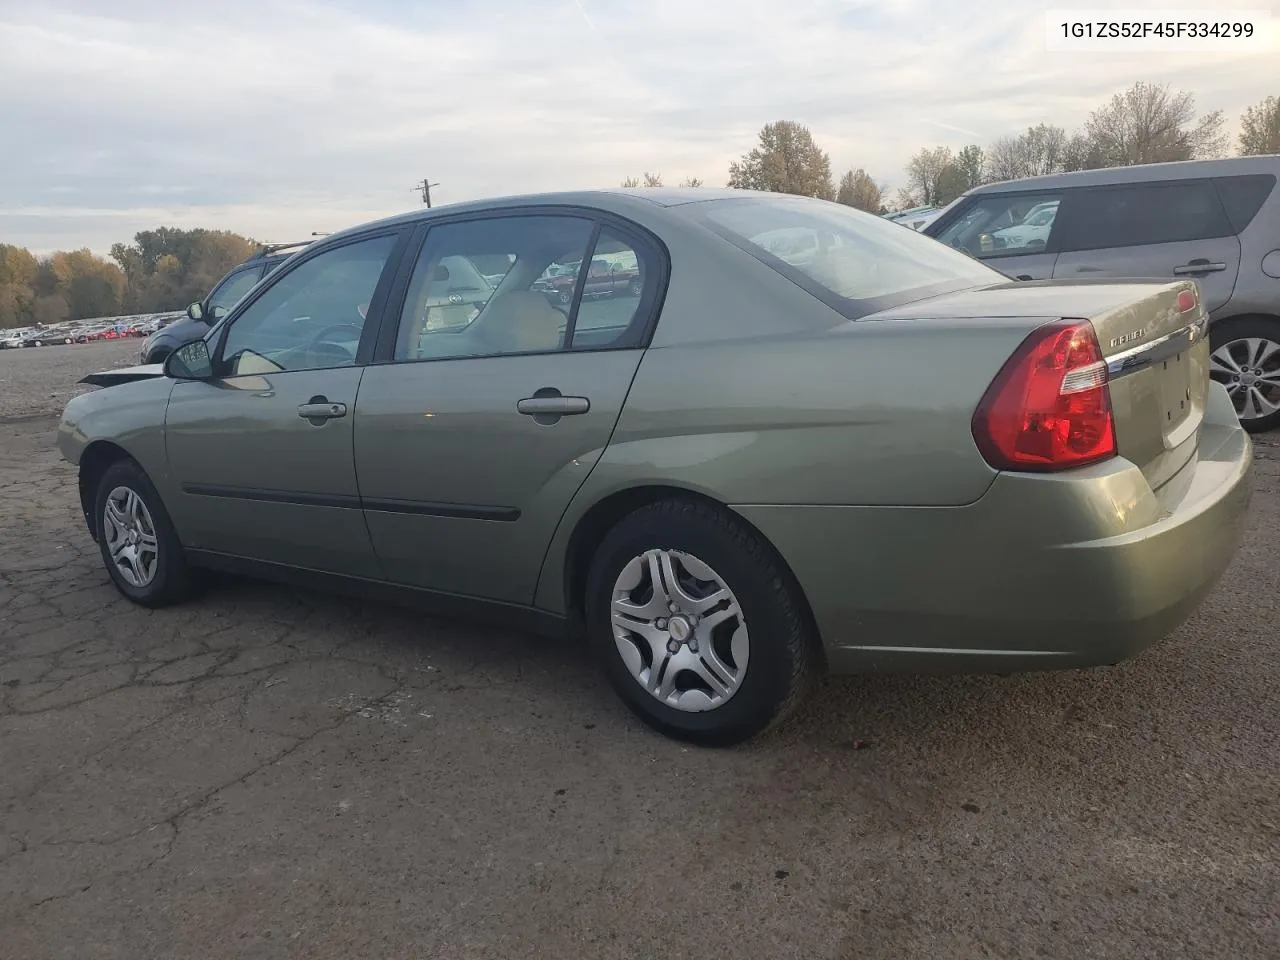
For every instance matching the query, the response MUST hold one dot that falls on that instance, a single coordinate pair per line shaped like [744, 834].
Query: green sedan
[802, 439]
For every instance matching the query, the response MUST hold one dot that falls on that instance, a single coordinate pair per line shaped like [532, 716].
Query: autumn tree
[971, 162]
[924, 171]
[17, 277]
[787, 160]
[1150, 123]
[858, 189]
[1260, 128]
[167, 268]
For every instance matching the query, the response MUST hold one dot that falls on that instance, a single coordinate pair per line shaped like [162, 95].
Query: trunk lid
[1153, 336]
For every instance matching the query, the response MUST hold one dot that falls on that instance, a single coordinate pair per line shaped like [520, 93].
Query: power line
[425, 189]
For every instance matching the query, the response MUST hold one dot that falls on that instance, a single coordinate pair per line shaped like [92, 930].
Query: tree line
[1147, 123]
[163, 269]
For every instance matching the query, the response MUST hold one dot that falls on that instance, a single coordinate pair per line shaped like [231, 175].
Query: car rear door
[1169, 230]
[1015, 233]
[470, 441]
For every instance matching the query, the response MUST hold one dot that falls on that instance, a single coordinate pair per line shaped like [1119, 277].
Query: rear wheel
[700, 628]
[1245, 359]
[139, 547]
[158, 356]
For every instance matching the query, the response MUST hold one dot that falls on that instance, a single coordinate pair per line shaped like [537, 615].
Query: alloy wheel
[1249, 368]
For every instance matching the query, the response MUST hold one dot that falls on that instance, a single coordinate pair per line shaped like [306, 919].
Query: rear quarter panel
[865, 414]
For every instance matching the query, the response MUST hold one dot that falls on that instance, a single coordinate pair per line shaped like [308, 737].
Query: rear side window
[1243, 197]
[1146, 213]
[854, 262]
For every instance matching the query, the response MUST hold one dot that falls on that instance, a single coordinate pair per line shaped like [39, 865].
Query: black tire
[1248, 328]
[636, 288]
[784, 651]
[158, 356]
[565, 296]
[171, 582]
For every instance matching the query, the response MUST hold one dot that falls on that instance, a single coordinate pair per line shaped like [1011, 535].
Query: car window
[1244, 196]
[855, 262]
[312, 316]
[452, 310]
[231, 291]
[613, 293]
[1001, 225]
[1144, 213]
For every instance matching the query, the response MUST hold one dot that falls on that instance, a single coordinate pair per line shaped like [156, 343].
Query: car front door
[1171, 230]
[260, 455]
[1015, 233]
[471, 441]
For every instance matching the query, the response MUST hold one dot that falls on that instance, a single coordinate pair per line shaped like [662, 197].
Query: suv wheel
[1245, 359]
[701, 630]
[158, 356]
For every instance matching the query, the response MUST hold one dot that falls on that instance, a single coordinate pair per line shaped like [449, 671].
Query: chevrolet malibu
[736, 473]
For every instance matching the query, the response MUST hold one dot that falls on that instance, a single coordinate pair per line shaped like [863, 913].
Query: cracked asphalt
[267, 772]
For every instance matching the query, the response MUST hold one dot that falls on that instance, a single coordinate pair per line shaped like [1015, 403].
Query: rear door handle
[553, 406]
[1198, 266]
[318, 410]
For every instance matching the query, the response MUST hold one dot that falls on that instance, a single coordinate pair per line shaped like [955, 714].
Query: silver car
[1216, 222]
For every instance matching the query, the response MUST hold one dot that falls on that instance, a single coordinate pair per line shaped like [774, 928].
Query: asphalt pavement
[268, 772]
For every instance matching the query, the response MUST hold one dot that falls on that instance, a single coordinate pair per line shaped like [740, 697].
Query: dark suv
[225, 294]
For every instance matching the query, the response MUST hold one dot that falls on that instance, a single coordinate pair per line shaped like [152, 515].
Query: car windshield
[853, 261]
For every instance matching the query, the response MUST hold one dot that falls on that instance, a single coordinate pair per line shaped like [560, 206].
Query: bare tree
[652, 179]
[691, 182]
[906, 199]
[786, 161]
[630, 183]
[1260, 128]
[1149, 123]
[1040, 150]
[858, 189]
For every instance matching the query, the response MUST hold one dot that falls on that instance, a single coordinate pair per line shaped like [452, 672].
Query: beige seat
[521, 321]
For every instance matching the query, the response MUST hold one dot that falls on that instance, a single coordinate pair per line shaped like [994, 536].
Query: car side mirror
[191, 361]
[196, 311]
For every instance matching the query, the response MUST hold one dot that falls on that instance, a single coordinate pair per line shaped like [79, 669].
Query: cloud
[279, 117]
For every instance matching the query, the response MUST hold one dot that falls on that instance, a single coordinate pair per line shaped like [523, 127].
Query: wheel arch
[95, 460]
[602, 516]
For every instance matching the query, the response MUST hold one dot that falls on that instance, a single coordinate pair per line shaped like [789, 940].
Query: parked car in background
[10, 340]
[723, 481]
[226, 293]
[604, 279]
[1216, 222]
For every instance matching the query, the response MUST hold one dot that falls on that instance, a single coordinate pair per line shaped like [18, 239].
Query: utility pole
[425, 189]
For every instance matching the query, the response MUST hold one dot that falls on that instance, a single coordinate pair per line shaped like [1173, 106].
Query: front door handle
[1198, 266]
[318, 410]
[554, 406]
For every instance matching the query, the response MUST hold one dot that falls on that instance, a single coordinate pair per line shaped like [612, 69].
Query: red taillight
[1186, 301]
[1048, 408]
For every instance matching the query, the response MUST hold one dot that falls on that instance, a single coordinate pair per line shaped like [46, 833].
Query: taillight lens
[1048, 408]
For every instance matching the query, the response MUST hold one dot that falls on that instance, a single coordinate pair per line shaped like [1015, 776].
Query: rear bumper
[1042, 572]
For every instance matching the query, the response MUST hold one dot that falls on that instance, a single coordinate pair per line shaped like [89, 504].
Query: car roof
[620, 201]
[1139, 173]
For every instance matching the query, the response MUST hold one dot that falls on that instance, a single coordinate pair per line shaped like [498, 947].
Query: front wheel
[140, 548]
[1245, 358]
[700, 628]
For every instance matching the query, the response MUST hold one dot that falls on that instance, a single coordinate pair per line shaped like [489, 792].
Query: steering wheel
[319, 350]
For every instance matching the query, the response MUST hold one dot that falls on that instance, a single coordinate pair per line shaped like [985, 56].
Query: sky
[277, 118]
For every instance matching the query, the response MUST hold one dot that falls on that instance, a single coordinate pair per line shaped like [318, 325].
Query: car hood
[109, 378]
